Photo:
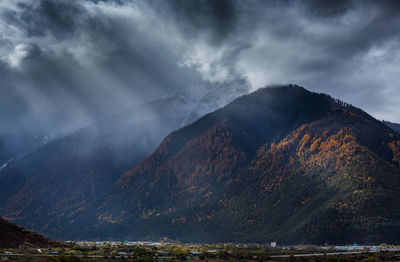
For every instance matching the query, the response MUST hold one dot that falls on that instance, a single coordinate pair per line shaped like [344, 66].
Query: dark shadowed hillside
[333, 180]
[12, 236]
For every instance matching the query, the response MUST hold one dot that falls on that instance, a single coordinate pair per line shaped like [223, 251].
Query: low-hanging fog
[64, 64]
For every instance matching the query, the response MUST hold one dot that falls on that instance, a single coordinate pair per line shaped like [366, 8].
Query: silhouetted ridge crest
[251, 108]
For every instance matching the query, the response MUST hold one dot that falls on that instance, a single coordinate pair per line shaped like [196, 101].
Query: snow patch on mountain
[5, 164]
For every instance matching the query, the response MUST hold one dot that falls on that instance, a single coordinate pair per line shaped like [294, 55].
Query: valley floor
[155, 251]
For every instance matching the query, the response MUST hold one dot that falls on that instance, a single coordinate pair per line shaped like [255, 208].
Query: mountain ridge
[195, 168]
[280, 164]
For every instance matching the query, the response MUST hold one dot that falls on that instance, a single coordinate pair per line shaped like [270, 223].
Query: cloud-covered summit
[346, 48]
[64, 63]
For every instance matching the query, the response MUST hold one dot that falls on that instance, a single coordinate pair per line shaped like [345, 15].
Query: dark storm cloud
[217, 18]
[329, 8]
[57, 17]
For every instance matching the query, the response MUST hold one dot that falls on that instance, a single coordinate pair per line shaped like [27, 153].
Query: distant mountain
[394, 126]
[12, 236]
[281, 164]
[54, 183]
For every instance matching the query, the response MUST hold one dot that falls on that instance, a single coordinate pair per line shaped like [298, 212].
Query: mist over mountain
[66, 174]
[16, 145]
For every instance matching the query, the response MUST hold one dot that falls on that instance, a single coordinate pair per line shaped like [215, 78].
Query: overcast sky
[65, 63]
